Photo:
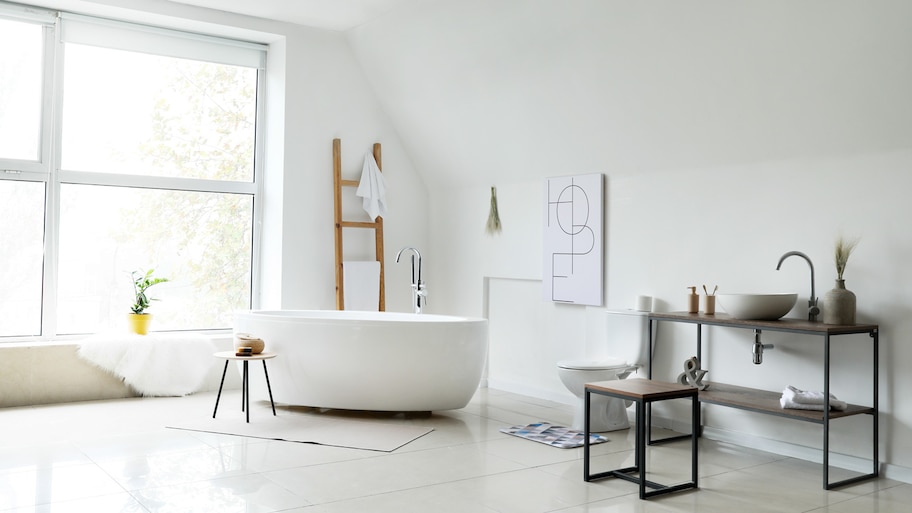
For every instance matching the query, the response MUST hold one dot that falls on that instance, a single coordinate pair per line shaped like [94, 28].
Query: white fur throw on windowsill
[166, 364]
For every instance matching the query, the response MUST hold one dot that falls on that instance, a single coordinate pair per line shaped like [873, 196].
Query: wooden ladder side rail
[376, 225]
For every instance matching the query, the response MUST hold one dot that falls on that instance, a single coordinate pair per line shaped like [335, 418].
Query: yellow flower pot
[139, 323]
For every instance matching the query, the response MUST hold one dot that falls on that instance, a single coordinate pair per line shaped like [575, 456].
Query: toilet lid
[609, 363]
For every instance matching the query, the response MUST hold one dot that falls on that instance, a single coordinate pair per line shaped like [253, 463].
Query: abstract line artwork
[573, 239]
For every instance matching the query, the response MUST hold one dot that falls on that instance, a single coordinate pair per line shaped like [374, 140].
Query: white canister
[644, 303]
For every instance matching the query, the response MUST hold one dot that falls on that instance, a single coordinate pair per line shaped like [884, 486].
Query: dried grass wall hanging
[493, 226]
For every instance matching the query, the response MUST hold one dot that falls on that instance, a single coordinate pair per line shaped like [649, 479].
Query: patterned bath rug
[555, 436]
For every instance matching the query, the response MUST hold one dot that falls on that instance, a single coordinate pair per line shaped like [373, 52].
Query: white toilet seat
[593, 365]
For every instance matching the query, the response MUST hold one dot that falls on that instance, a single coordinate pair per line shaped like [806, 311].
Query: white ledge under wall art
[572, 235]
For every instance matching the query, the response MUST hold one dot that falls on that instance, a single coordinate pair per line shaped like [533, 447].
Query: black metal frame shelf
[765, 402]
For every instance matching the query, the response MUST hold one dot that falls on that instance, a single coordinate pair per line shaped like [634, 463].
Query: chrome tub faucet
[419, 289]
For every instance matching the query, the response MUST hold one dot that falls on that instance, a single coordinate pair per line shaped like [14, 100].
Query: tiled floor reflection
[117, 456]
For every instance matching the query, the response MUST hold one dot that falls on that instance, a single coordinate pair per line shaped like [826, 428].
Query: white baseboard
[897, 473]
[813, 454]
[531, 391]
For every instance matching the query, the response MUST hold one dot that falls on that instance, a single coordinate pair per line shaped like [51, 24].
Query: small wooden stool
[643, 392]
[245, 379]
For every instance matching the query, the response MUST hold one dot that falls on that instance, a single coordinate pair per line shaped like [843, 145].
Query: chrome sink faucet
[813, 309]
[419, 289]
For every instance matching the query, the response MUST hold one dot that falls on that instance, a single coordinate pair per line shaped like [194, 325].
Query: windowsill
[63, 340]
[34, 372]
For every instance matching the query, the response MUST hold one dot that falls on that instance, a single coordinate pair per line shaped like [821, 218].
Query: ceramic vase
[839, 305]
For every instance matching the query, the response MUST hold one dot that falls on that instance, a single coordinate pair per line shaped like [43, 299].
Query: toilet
[627, 340]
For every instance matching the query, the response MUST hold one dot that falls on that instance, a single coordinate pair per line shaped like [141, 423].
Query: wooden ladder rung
[359, 224]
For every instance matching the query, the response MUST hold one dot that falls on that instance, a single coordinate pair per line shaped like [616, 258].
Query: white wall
[326, 97]
[730, 133]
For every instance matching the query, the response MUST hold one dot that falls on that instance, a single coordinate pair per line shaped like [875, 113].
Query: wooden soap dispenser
[693, 300]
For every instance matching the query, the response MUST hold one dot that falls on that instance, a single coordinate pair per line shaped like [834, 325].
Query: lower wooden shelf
[762, 401]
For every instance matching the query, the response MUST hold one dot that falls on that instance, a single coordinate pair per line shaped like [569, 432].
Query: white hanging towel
[361, 285]
[372, 188]
[794, 398]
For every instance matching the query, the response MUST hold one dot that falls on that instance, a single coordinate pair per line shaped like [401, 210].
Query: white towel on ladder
[361, 285]
[372, 188]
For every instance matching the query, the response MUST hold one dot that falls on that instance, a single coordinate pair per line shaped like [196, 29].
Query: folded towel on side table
[796, 399]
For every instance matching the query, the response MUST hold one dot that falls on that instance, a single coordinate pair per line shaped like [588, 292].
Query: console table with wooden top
[767, 402]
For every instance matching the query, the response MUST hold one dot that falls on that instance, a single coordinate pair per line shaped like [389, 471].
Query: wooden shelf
[762, 401]
[789, 325]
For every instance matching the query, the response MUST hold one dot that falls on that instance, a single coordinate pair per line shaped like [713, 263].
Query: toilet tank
[627, 332]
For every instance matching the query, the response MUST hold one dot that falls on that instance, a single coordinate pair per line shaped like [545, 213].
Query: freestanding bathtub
[377, 361]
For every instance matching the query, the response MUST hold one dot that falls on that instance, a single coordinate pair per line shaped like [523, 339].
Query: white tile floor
[117, 456]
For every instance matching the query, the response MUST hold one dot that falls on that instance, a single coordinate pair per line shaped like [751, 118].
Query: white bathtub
[378, 361]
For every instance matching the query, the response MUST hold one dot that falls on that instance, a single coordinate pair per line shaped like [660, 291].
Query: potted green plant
[139, 320]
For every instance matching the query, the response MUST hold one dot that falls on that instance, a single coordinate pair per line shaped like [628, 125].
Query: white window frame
[31, 170]
[63, 27]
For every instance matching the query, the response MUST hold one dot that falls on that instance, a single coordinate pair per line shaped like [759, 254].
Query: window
[199, 240]
[138, 114]
[22, 237]
[154, 166]
[21, 48]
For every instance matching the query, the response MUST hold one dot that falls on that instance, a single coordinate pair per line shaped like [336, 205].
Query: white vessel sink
[759, 307]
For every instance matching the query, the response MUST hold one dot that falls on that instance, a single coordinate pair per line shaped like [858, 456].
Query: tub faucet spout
[813, 309]
[419, 289]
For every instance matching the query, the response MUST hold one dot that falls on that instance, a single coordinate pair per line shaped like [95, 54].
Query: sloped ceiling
[493, 91]
[514, 90]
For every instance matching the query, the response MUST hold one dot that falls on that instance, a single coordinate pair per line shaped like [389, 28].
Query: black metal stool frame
[641, 443]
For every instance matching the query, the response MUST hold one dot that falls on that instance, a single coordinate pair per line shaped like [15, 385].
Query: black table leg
[243, 385]
[219, 396]
[246, 392]
[269, 387]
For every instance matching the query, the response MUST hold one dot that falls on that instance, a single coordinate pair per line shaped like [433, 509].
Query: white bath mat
[354, 434]
[555, 436]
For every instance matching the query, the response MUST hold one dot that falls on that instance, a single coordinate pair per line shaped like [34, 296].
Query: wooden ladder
[376, 225]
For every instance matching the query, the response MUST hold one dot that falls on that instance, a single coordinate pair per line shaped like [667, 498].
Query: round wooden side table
[245, 381]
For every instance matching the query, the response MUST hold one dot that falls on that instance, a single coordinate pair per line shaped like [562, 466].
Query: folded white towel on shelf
[372, 188]
[796, 399]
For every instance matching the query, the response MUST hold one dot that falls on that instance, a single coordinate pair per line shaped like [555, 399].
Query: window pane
[21, 49]
[21, 257]
[138, 114]
[201, 242]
